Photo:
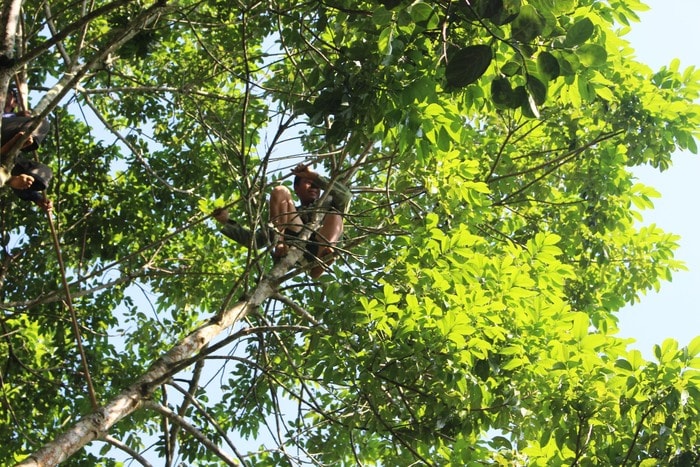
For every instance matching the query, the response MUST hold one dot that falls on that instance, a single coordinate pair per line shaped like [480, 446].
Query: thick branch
[10, 18]
[98, 423]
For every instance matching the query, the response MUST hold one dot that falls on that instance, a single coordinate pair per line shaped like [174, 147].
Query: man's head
[11, 100]
[306, 189]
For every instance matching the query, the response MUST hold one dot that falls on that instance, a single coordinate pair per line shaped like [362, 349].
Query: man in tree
[289, 221]
[14, 127]
[14, 124]
[28, 179]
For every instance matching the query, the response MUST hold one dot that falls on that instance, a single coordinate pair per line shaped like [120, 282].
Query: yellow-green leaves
[642, 196]
[694, 347]
[543, 247]
[592, 55]
[206, 206]
[667, 351]
[456, 326]
[580, 324]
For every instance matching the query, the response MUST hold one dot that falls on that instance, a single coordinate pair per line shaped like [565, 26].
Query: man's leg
[5, 175]
[283, 215]
[327, 235]
[332, 228]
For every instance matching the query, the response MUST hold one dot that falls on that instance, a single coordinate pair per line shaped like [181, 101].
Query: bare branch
[175, 418]
[118, 444]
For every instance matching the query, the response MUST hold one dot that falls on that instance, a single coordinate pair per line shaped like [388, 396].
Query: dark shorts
[12, 125]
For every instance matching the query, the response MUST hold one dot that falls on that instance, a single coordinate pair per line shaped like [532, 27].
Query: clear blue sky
[670, 30]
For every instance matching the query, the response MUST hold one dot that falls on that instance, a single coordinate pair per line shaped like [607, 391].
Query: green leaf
[548, 65]
[592, 55]
[529, 107]
[604, 93]
[580, 325]
[521, 98]
[513, 363]
[382, 17]
[528, 25]
[669, 349]
[502, 93]
[204, 206]
[636, 359]
[500, 442]
[511, 350]
[511, 68]
[384, 42]
[537, 89]
[694, 347]
[579, 33]
[480, 9]
[657, 352]
[467, 65]
[422, 12]
[433, 110]
[563, 6]
[623, 364]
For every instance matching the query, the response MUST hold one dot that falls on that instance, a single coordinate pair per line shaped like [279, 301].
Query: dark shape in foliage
[528, 105]
[389, 4]
[468, 65]
[548, 65]
[140, 45]
[528, 25]
[509, 11]
[502, 93]
[481, 9]
[537, 89]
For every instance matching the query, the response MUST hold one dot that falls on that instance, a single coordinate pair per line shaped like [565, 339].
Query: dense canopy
[470, 317]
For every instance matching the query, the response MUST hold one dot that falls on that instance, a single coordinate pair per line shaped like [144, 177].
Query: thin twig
[73, 317]
[119, 445]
